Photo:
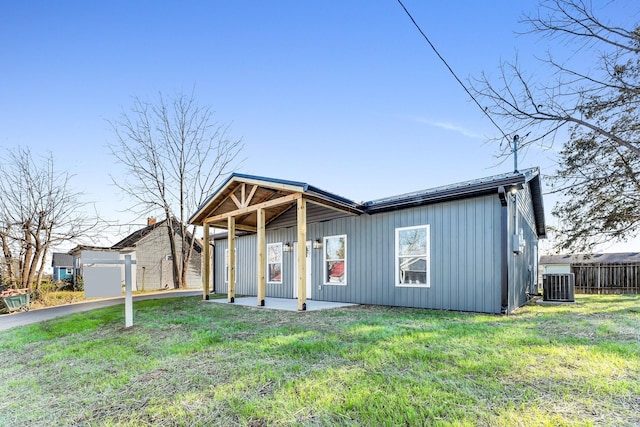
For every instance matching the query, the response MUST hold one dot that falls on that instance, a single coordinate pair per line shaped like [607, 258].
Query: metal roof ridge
[526, 174]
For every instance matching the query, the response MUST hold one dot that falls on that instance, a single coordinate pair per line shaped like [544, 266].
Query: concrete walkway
[8, 321]
[283, 303]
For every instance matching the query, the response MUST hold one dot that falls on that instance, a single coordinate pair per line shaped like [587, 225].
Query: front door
[295, 270]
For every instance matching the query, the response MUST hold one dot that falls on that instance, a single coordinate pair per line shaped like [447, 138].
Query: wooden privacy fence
[607, 278]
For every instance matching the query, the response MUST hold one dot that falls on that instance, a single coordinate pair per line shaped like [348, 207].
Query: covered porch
[248, 204]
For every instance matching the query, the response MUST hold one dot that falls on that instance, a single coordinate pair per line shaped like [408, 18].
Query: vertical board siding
[522, 277]
[217, 274]
[464, 258]
[525, 206]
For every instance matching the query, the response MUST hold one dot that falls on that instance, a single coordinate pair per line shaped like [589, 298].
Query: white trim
[275, 282]
[427, 255]
[325, 260]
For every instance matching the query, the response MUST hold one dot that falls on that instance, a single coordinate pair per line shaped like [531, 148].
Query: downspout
[213, 266]
[504, 250]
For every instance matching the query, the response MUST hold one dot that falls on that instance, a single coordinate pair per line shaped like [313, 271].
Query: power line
[451, 71]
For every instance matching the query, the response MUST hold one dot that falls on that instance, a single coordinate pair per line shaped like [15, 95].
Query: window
[226, 265]
[69, 271]
[412, 256]
[335, 260]
[274, 262]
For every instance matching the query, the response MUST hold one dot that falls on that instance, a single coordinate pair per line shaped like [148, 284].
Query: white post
[128, 297]
[102, 289]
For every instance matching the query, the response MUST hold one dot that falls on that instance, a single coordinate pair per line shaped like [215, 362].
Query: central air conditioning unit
[558, 287]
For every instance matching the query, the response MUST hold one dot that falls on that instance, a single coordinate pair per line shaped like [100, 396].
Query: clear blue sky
[344, 95]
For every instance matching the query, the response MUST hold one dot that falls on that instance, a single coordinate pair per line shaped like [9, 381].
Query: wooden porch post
[261, 242]
[231, 230]
[206, 276]
[302, 254]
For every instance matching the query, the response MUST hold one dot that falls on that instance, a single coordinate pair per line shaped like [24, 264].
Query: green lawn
[190, 362]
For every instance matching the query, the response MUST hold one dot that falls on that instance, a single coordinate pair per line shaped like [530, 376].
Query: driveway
[9, 321]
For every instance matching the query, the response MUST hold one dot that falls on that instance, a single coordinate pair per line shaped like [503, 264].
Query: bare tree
[598, 104]
[38, 210]
[174, 154]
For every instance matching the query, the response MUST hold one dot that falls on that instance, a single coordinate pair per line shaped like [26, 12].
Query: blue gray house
[471, 246]
[63, 266]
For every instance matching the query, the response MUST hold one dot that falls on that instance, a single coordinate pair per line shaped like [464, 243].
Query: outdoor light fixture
[515, 188]
[286, 247]
[317, 244]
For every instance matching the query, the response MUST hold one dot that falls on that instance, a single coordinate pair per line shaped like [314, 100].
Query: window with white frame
[335, 260]
[274, 262]
[226, 265]
[69, 271]
[412, 256]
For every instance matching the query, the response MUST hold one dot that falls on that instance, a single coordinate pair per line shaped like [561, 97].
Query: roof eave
[473, 190]
[538, 206]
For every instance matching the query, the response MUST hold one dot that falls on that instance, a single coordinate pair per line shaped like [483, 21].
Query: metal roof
[132, 239]
[601, 258]
[220, 201]
[465, 189]
[135, 237]
[446, 191]
[61, 259]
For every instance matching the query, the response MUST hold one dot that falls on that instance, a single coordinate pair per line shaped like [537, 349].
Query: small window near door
[335, 260]
[69, 271]
[412, 256]
[274, 263]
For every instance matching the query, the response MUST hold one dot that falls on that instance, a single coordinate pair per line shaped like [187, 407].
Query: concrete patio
[287, 304]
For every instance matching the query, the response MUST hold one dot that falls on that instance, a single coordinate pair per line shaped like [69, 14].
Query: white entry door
[295, 270]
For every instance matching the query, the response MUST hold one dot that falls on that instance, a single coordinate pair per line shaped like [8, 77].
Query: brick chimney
[151, 220]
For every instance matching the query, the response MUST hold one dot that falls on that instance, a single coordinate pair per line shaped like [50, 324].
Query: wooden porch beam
[337, 208]
[261, 260]
[206, 277]
[254, 208]
[302, 254]
[250, 196]
[236, 201]
[241, 227]
[231, 237]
